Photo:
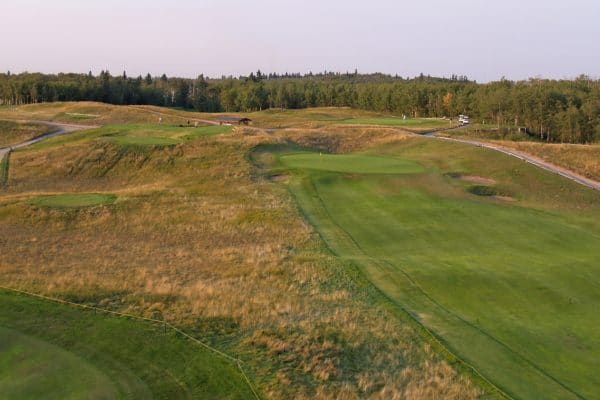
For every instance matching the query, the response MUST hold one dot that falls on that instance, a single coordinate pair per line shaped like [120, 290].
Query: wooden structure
[230, 120]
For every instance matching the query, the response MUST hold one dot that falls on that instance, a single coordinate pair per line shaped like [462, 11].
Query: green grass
[511, 288]
[391, 121]
[327, 116]
[79, 200]
[492, 132]
[54, 351]
[137, 135]
[32, 369]
[351, 163]
[75, 116]
[157, 135]
[208, 131]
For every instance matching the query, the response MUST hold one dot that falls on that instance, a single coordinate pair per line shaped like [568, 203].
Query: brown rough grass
[15, 132]
[583, 159]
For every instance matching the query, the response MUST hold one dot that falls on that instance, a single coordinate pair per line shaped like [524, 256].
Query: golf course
[345, 256]
[223, 200]
[497, 259]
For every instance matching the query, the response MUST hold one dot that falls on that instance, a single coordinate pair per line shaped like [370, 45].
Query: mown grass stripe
[430, 334]
[236, 361]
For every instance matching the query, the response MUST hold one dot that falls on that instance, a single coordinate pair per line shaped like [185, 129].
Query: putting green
[74, 200]
[34, 369]
[350, 163]
[512, 289]
[409, 122]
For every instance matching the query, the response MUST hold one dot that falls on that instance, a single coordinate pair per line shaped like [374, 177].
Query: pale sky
[482, 39]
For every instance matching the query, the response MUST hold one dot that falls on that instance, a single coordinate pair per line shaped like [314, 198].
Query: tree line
[554, 110]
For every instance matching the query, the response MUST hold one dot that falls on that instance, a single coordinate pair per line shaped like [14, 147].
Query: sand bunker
[480, 180]
[279, 178]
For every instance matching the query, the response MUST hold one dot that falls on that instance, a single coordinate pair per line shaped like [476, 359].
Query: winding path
[538, 162]
[61, 128]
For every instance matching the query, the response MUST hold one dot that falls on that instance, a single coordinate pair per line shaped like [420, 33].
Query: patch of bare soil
[279, 178]
[503, 198]
[480, 180]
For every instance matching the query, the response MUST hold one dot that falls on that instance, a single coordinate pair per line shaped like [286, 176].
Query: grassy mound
[74, 200]
[81, 354]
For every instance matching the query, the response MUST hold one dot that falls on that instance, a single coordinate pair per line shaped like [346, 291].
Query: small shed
[232, 120]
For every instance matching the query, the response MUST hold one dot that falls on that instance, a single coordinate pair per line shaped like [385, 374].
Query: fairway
[54, 351]
[509, 287]
[156, 135]
[408, 123]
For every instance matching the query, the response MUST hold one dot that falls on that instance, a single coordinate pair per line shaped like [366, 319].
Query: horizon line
[305, 74]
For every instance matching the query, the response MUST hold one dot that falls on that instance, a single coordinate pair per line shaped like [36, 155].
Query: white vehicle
[463, 119]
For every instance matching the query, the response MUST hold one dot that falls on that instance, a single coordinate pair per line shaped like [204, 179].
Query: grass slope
[81, 354]
[512, 289]
[13, 132]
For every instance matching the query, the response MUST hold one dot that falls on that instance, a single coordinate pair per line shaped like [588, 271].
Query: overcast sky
[482, 39]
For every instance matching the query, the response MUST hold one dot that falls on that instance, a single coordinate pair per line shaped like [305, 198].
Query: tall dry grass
[14, 132]
[583, 159]
[199, 238]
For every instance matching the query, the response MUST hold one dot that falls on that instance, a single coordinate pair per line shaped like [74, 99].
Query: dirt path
[61, 128]
[538, 162]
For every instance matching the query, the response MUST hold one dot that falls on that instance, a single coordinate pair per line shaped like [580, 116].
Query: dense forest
[554, 110]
